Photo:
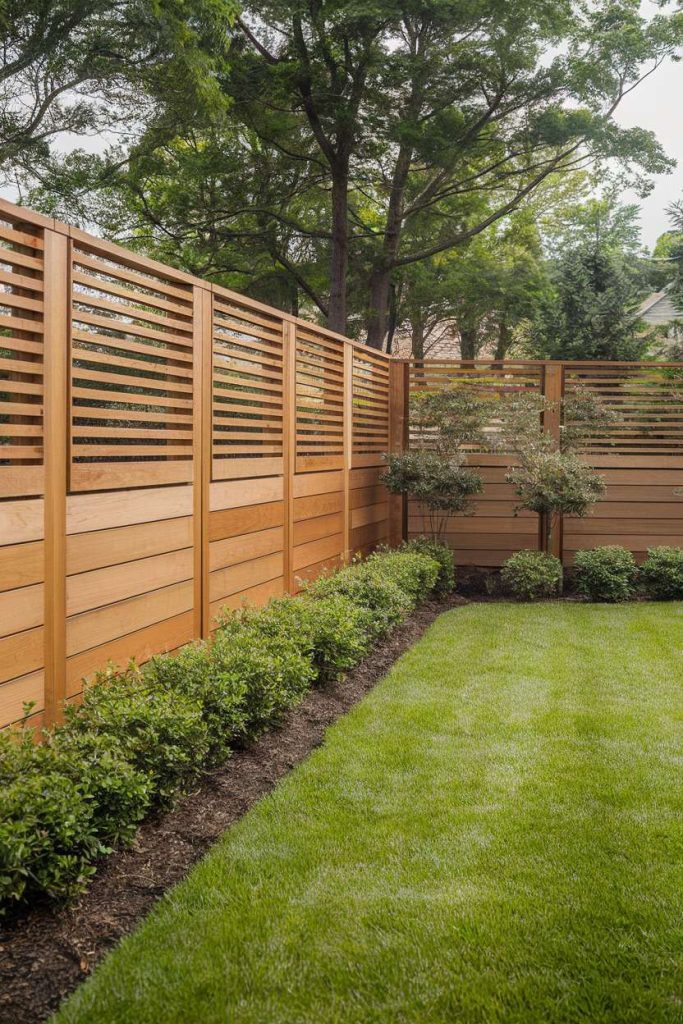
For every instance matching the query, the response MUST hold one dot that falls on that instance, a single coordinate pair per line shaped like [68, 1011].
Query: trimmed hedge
[662, 574]
[331, 631]
[441, 554]
[140, 736]
[606, 573]
[531, 575]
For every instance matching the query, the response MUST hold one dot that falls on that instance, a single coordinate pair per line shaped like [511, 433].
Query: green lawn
[494, 834]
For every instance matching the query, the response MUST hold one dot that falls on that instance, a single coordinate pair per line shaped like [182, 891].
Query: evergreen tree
[591, 312]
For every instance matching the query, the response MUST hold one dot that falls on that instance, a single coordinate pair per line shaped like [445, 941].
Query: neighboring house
[660, 310]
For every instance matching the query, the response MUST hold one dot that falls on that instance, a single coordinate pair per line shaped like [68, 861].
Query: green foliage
[448, 419]
[196, 674]
[381, 601]
[531, 575]
[606, 573]
[118, 793]
[48, 835]
[274, 671]
[592, 311]
[80, 67]
[444, 487]
[413, 572]
[162, 733]
[433, 472]
[331, 630]
[47, 838]
[662, 573]
[549, 477]
[442, 554]
[555, 482]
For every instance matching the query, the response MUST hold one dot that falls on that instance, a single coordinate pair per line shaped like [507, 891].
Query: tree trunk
[380, 289]
[468, 343]
[380, 281]
[503, 343]
[417, 331]
[337, 315]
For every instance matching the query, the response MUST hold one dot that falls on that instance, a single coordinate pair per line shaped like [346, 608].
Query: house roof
[659, 308]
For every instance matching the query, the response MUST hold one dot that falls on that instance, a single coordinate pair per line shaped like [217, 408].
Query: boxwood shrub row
[608, 573]
[140, 736]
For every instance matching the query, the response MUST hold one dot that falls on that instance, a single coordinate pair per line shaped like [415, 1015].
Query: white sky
[657, 105]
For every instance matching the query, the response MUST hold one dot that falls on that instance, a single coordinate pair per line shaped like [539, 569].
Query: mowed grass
[494, 835]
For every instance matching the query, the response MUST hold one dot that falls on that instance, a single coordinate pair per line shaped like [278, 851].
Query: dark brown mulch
[45, 954]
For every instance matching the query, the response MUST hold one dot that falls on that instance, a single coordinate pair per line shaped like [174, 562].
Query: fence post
[348, 446]
[202, 453]
[288, 447]
[398, 442]
[55, 432]
[553, 381]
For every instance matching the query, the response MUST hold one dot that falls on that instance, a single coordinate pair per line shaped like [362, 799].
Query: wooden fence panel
[131, 371]
[640, 457]
[495, 531]
[21, 355]
[200, 449]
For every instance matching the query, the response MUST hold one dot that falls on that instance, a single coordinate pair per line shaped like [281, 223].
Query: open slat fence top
[319, 401]
[248, 390]
[486, 379]
[370, 391]
[21, 355]
[647, 399]
[131, 371]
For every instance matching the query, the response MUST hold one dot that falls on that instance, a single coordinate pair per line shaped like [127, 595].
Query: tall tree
[418, 102]
[83, 66]
[592, 311]
[393, 133]
[475, 296]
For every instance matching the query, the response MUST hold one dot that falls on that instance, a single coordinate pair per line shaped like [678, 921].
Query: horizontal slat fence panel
[370, 407]
[21, 356]
[640, 457]
[131, 373]
[201, 450]
[247, 390]
[319, 401]
[494, 531]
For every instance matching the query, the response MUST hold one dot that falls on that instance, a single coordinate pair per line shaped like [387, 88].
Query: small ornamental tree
[444, 426]
[550, 478]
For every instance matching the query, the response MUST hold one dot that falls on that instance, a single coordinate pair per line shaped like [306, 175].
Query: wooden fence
[167, 448]
[640, 458]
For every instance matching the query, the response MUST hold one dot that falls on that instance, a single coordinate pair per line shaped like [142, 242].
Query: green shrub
[139, 735]
[199, 676]
[606, 573]
[442, 554]
[330, 631]
[48, 835]
[274, 671]
[530, 575]
[662, 573]
[414, 573]
[118, 793]
[380, 600]
[161, 733]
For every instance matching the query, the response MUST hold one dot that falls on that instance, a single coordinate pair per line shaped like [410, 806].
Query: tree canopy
[335, 146]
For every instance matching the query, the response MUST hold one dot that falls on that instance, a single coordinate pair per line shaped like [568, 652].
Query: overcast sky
[657, 104]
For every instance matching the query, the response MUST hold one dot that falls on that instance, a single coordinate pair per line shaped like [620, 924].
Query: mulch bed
[47, 952]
